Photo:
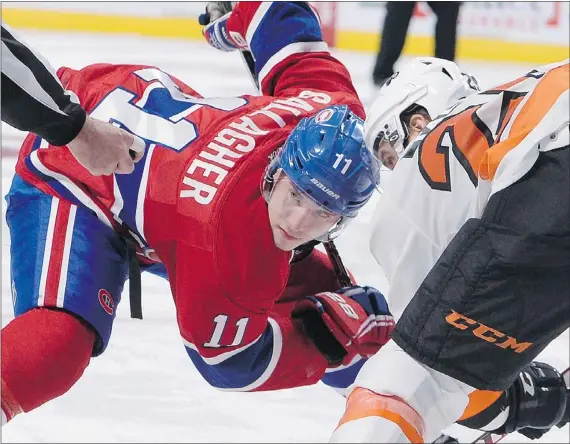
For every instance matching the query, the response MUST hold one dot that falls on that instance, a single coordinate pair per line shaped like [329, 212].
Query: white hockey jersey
[481, 145]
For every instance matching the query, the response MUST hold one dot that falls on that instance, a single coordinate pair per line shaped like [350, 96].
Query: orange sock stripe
[9, 404]
[479, 400]
[363, 403]
[409, 430]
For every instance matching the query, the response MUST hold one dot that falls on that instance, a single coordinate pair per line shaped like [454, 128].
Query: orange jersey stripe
[543, 96]
[508, 113]
[465, 136]
[363, 403]
[510, 84]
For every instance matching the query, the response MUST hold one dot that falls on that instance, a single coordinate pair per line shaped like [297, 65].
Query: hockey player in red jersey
[472, 233]
[226, 192]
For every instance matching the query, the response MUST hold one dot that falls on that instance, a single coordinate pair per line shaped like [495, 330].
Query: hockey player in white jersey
[473, 236]
[409, 101]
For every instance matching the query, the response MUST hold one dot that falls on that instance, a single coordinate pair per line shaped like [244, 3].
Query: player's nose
[298, 219]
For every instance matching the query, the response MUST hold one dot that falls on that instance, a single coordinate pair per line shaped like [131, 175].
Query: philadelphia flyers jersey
[483, 144]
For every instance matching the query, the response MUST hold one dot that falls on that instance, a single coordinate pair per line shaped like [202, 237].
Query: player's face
[387, 153]
[294, 217]
[417, 123]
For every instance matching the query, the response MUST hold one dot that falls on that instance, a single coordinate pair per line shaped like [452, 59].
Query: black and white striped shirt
[33, 98]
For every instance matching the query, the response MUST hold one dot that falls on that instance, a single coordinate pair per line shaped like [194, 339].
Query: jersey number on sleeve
[220, 325]
[159, 114]
[463, 134]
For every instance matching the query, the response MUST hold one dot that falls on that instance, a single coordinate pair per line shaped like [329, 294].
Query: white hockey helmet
[432, 83]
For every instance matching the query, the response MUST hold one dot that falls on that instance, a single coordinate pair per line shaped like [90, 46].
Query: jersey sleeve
[286, 42]
[242, 344]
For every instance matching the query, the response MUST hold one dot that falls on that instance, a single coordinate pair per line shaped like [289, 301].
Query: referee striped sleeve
[33, 98]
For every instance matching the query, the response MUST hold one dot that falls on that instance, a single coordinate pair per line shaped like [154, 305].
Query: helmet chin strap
[335, 231]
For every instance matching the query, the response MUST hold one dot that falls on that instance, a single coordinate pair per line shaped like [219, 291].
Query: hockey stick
[246, 55]
[338, 266]
[490, 437]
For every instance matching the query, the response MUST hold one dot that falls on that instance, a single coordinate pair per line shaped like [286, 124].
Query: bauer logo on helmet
[325, 189]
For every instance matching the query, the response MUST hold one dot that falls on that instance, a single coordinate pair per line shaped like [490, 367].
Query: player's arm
[285, 39]
[33, 99]
[241, 337]
[241, 341]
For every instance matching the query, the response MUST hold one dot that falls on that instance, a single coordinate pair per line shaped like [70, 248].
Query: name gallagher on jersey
[236, 140]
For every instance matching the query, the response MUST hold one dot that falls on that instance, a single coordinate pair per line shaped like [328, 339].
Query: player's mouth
[287, 236]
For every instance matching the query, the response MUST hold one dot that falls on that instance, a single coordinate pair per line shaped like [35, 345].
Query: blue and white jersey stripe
[243, 369]
[281, 29]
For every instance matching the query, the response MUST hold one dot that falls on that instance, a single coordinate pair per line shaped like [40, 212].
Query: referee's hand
[104, 149]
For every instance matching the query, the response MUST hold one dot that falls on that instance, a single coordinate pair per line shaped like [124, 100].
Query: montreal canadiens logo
[324, 115]
[106, 301]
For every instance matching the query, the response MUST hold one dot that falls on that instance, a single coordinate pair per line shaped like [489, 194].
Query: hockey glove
[537, 400]
[354, 321]
[215, 23]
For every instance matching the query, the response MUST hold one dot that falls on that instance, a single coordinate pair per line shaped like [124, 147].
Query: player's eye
[376, 145]
[325, 214]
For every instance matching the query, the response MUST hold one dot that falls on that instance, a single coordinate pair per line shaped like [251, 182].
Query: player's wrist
[313, 326]
[216, 30]
[355, 321]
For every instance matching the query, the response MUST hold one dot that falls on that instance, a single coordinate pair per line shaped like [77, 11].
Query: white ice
[145, 388]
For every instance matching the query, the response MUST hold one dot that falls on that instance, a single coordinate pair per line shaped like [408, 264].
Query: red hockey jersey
[194, 200]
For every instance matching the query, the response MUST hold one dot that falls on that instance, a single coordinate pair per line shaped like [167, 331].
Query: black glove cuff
[312, 325]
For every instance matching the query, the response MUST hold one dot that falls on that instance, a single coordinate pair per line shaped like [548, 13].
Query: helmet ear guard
[335, 230]
[393, 132]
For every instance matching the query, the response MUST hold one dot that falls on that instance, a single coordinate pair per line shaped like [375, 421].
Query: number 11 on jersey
[220, 322]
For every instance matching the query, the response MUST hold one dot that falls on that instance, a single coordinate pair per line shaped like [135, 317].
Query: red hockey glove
[354, 321]
[215, 22]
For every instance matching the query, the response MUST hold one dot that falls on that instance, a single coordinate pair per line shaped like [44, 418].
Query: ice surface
[145, 388]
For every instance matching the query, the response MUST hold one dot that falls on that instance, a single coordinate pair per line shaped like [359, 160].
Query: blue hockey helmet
[325, 157]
